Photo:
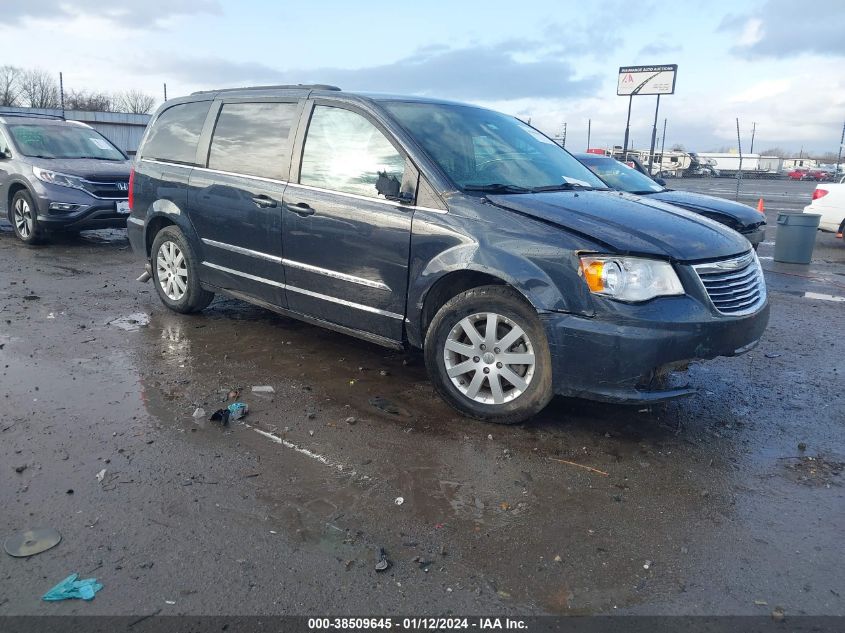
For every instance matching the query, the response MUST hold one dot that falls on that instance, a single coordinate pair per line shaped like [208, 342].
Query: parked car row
[419, 223]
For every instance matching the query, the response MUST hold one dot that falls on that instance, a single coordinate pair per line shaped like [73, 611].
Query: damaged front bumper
[626, 352]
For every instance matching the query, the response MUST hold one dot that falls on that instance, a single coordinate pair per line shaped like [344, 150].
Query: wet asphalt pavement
[729, 502]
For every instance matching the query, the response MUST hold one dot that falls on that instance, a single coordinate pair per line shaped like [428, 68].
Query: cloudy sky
[775, 62]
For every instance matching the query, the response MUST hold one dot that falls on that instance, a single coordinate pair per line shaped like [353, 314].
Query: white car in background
[829, 202]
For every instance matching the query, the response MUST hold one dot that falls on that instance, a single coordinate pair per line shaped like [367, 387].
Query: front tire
[487, 355]
[176, 274]
[25, 219]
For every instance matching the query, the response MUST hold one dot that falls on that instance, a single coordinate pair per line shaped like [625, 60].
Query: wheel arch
[14, 188]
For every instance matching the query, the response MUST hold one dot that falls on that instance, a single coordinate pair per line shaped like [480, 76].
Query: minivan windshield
[619, 176]
[63, 141]
[486, 151]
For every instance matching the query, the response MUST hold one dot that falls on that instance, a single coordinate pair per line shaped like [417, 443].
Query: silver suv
[58, 175]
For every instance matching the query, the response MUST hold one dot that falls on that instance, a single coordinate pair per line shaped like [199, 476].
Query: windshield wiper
[39, 156]
[497, 187]
[566, 186]
[97, 158]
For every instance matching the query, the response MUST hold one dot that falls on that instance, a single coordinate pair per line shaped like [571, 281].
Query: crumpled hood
[699, 202]
[630, 224]
[85, 167]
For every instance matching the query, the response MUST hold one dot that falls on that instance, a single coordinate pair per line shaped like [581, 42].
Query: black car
[462, 231]
[741, 218]
[58, 175]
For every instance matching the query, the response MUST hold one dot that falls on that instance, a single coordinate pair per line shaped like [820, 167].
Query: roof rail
[32, 114]
[277, 87]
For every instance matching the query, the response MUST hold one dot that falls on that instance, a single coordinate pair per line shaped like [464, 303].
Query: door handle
[301, 208]
[265, 202]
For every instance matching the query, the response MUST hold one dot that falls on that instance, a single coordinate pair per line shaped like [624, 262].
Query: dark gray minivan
[462, 231]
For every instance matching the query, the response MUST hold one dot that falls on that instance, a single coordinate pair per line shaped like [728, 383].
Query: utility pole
[589, 130]
[753, 130]
[663, 142]
[563, 140]
[62, 93]
[165, 91]
[739, 145]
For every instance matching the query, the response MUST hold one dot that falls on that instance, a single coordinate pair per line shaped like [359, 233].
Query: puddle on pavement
[472, 490]
[132, 322]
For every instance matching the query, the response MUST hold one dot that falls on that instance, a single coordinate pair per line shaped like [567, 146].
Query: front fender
[540, 273]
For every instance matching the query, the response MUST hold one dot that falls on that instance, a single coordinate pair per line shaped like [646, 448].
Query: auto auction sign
[646, 80]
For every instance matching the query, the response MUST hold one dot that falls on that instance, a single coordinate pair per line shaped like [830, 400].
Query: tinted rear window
[175, 133]
[253, 139]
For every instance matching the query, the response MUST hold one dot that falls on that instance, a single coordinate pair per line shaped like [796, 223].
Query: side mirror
[389, 186]
[6, 153]
[660, 181]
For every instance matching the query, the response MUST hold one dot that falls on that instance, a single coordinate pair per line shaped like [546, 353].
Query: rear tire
[175, 272]
[486, 353]
[24, 216]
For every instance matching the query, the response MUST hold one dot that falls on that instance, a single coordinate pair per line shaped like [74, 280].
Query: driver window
[345, 152]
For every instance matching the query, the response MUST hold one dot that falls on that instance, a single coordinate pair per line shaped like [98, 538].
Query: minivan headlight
[630, 278]
[55, 178]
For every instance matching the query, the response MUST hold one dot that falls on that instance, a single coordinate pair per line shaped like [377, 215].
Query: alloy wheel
[23, 218]
[172, 271]
[489, 358]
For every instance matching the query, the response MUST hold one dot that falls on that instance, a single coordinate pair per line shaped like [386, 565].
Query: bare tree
[9, 89]
[677, 147]
[775, 151]
[135, 101]
[39, 89]
[89, 101]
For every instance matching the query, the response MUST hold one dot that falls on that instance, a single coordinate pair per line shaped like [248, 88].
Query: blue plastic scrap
[70, 587]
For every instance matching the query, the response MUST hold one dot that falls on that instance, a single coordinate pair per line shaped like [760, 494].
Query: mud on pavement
[729, 502]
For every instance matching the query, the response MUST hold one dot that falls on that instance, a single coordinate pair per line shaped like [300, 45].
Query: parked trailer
[753, 165]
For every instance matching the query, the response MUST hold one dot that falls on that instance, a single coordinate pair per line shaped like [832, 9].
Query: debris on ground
[761, 603]
[814, 471]
[233, 394]
[399, 501]
[389, 407]
[350, 420]
[71, 588]
[647, 564]
[802, 446]
[20, 469]
[31, 542]
[199, 412]
[778, 614]
[773, 355]
[590, 468]
[101, 475]
[263, 389]
[234, 411]
[382, 563]
[558, 558]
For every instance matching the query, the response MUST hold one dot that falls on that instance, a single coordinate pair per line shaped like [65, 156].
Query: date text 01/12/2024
[481, 623]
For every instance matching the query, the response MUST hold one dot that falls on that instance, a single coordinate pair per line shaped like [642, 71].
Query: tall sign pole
[663, 141]
[753, 132]
[627, 129]
[644, 80]
[841, 142]
[653, 135]
[590, 125]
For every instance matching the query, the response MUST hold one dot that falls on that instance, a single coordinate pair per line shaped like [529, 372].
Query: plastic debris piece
[199, 412]
[101, 475]
[234, 411]
[263, 389]
[382, 563]
[647, 564]
[70, 588]
[31, 542]
[399, 501]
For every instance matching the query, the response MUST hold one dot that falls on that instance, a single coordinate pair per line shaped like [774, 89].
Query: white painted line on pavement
[304, 451]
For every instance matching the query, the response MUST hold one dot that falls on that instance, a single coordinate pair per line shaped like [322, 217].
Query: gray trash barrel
[796, 237]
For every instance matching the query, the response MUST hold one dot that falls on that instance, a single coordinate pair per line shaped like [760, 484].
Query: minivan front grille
[735, 286]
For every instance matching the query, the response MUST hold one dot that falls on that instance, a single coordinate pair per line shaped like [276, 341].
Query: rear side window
[345, 152]
[175, 133]
[253, 139]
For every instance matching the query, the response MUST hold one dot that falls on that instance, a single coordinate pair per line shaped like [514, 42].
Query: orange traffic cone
[760, 206]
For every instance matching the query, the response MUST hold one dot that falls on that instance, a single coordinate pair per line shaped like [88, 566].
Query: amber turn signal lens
[593, 274]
